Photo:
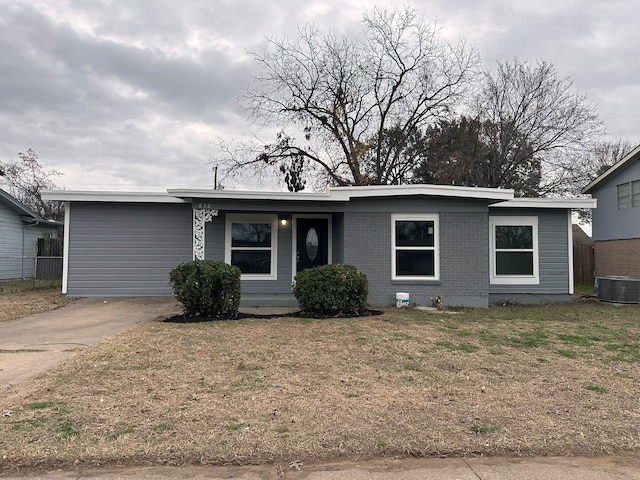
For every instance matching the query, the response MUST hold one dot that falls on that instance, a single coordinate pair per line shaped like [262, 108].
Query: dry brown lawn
[546, 380]
[20, 298]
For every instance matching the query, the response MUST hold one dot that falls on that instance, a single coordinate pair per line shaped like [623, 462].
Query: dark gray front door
[312, 244]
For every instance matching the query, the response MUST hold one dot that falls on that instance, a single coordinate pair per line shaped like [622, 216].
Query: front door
[312, 243]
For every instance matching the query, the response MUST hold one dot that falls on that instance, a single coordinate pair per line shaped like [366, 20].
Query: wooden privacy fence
[49, 258]
[583, 264]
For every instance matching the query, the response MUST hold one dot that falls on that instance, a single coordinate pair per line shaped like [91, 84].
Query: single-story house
[616, 221]
[20, 228]
[469, 246]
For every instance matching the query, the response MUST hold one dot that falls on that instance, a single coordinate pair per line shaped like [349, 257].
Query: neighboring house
[470, 246]
[616, 221]
[19, 230]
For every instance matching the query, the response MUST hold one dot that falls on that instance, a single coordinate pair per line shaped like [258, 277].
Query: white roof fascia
[630, 157]
[347, 193]
[247, 195]
[110, 196]
[572, 203]
[344, 194]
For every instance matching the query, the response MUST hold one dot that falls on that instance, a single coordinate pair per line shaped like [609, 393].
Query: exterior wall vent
[618, 289]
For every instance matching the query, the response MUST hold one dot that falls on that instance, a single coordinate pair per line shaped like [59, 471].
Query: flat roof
[340, 194]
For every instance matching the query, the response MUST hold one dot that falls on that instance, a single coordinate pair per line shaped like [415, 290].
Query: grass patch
[459, 347]
[568, 353]
[272, 390]
[39, 405]
[19, 298]
[624, 352]
[484, 429]
[125, 431]
[19, 286]
[67, 430]
[595, 388]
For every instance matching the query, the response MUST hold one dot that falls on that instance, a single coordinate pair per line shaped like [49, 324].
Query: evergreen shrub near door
[205, 287]
[332, 289]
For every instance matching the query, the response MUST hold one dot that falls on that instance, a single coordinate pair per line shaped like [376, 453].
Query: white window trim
[412, 217]
[513, 279]
[254, 218]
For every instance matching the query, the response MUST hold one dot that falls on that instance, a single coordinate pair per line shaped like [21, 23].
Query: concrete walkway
[33, 344]
[604, 468]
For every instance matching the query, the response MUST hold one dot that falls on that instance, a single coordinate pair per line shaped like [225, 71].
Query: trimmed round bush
[205, 287]
[332, 289]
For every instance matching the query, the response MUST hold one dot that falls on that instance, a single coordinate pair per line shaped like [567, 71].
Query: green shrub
[205, 287]
[332, 289]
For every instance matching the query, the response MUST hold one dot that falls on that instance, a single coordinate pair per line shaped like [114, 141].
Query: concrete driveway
[31, 345]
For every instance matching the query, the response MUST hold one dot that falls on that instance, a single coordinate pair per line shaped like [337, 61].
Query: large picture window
[514, 250]
[415, 254]
[251, 245]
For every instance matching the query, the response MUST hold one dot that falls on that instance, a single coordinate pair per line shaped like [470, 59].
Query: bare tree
[604, 155]
[459, 152]
[535, 115]
[25, 181]
[336, 97]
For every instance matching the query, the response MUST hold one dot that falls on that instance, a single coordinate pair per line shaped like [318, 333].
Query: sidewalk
[542, 468]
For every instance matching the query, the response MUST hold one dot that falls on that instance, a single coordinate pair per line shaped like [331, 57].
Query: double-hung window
[628, 194]
[415, 247]
[251, 245]
[514, 250]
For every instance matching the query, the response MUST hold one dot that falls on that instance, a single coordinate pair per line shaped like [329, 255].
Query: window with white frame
[415, 247]
[628, 194]
[514, 250]
[251, 245]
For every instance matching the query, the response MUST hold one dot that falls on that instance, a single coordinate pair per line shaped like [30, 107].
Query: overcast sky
[132, 94]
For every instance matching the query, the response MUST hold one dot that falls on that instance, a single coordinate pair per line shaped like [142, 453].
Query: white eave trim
[572, 203]
[347, 193]
[247, 195]
[622, 164]
[344, 194]
[98, 196]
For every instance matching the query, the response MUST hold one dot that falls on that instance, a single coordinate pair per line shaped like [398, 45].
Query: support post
[200, 218]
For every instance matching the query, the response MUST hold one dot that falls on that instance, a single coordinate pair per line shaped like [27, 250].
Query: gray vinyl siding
[463, 227]
[609, 223]
[126, 249]
[12, 264]
[553, 257]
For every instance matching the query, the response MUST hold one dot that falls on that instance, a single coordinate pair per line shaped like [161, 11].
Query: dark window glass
[514, 263]
[418, 263]
[414, 234]
[514, 237]
[251, 235]
[252, 261]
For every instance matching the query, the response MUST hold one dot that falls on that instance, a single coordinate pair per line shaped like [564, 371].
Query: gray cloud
[131, 94]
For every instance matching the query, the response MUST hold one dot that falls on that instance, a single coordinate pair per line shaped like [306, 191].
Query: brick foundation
[618, 257]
